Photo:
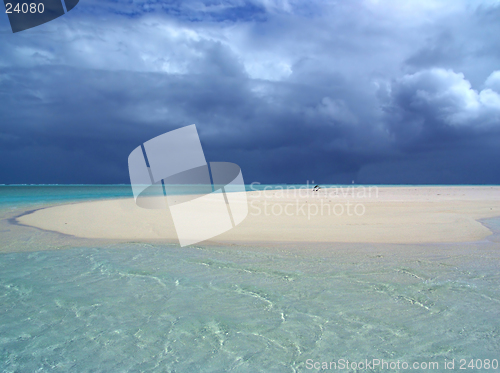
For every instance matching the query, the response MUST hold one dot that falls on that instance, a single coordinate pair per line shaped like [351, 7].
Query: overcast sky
[375, 91]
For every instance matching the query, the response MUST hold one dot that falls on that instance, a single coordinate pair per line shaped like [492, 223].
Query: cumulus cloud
[493, 81]
[436, 98]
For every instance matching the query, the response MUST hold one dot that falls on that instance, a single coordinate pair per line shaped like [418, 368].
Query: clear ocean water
[73, 305]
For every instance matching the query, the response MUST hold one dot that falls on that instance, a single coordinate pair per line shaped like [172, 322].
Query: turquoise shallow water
[131, 307]
[153, 308]
[24, 195]
[38, 195]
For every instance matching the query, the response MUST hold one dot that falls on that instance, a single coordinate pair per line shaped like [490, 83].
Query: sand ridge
[348, 214]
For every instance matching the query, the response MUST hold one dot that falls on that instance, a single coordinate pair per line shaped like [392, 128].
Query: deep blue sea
[74, 305]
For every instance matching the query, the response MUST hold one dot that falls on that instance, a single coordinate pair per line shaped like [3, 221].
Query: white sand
[393, 215]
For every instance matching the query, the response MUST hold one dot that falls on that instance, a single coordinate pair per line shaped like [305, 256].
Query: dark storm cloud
[371, 91]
